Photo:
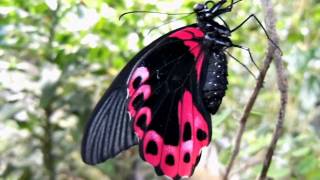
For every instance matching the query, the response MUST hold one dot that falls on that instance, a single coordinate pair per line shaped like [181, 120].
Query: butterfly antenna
[233, 3]
[236, 2]
[168, 22]
[254, 76]
[152, 12]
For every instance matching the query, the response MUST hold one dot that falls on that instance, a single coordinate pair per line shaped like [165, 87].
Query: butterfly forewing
[108, 132]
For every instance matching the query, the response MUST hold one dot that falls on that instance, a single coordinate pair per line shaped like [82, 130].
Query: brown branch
[282, 85]
[243, 120]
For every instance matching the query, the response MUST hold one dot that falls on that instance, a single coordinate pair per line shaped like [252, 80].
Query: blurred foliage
[58, 57]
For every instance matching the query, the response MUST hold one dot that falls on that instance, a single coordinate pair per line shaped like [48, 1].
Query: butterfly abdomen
[215, 81]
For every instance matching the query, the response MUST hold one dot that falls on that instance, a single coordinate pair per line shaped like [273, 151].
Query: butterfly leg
[229, 54]
[260, 24]
[249, 52]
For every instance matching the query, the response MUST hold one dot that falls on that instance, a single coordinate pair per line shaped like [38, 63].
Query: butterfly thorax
[215, 40]
[216, 35]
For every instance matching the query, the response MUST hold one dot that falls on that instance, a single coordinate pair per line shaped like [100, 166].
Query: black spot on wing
[109, 130]
[138, 102]
[170, 160]
[187, 132]
[152, 148]
[142, 122]
[137, 82]
[201, 135]
[186, 158]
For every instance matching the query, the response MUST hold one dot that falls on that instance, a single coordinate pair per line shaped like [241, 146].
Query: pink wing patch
[136, 88]
[179, 161]
[194, 134]
[189, 36]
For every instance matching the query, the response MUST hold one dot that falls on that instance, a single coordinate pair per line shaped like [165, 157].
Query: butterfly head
[209, 9]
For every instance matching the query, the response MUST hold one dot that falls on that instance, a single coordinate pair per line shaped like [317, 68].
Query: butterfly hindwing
[155, 101]
[109, 129]
[166, 106]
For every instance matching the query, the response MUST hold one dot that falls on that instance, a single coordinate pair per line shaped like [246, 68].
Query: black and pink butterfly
[163, 98]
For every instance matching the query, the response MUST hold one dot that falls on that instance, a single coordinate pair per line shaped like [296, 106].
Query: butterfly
[162, 99]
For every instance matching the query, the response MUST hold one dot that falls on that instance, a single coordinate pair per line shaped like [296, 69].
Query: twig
[283, 88]
[243, 120]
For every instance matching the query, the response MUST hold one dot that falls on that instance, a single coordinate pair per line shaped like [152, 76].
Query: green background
[56, 60]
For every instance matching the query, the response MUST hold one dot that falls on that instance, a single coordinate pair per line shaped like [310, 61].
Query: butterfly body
[163, 98]
[216, 81]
